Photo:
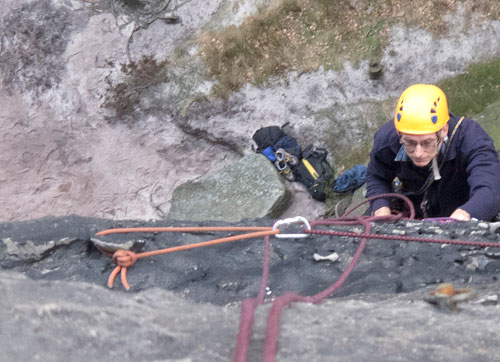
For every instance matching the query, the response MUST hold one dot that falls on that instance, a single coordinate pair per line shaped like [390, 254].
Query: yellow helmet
[422, 109]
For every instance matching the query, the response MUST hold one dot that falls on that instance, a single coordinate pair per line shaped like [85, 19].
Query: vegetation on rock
[139, 76]
[303, 35]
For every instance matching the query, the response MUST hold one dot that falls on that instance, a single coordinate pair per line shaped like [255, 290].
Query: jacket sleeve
[380, 174]
[483, 173]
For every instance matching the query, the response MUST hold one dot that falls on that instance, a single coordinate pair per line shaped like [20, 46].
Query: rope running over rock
[272, 330]
[126, 258]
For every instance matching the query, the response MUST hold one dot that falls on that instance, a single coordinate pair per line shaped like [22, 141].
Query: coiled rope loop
[124, 258]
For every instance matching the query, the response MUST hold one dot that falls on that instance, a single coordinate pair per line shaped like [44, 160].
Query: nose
[419, 150]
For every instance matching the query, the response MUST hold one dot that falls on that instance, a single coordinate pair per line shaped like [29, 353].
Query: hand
[461, 215]
[383, 211]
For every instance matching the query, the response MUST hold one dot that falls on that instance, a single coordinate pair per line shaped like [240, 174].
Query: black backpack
[281, 149]
[270, 139]
[314, 172]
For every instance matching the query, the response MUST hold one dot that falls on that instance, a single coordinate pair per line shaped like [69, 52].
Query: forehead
[418, 137]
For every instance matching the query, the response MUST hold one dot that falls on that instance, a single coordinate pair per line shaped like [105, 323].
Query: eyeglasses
[427, 145]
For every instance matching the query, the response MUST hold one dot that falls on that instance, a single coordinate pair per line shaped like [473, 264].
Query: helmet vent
[398, 115]
[434, 117]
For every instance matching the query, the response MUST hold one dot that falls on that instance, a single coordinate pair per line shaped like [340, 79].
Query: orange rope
[183, 229]
[126, 258]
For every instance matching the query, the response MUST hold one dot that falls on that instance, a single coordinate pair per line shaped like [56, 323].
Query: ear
[444, 130]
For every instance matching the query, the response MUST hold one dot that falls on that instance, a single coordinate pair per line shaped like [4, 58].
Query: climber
[446, 165]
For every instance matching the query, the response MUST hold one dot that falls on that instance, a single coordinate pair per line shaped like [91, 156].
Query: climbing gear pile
[309, 166]
[125, 259]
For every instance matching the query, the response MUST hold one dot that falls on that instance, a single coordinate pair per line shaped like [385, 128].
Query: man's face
[421, 149]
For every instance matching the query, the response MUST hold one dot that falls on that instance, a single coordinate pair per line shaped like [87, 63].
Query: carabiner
[289, 221]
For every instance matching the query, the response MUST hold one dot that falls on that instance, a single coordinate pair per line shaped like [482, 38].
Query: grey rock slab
[68, 321]
[227, 273]
[63, 321]
[185, 307]
[250, 188]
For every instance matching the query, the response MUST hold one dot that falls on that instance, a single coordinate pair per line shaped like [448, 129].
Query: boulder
[250, 188]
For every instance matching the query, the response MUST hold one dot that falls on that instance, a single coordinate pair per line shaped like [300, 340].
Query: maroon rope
[407, 201]
[273, 320]
[248, 307]
[482, 244]
[441, 219]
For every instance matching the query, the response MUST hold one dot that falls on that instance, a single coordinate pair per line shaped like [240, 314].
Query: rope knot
[124, 258]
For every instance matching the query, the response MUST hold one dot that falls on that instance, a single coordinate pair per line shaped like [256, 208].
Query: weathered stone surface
[59, 320]
[63, 312]
[227, 273]
[251, 188]
[64, 321]
[60, 154]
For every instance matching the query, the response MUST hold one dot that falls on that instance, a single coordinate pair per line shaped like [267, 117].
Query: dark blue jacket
[470, 176]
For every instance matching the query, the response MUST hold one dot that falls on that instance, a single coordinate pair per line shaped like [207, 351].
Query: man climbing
[446, 165]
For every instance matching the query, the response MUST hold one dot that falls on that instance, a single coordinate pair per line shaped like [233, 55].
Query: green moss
[471, 92]
[489, 119]
[356, 156]
[349, 153]
[373, 40]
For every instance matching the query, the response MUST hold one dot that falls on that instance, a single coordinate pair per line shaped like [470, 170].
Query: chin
[421, 163]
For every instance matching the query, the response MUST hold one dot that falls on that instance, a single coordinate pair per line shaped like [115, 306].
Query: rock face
[83, 322]
[186, 307]
[63, 151]
[59, 320]
[61, 249]
[249, 189]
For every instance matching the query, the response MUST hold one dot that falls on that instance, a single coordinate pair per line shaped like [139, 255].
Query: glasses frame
[426, 145]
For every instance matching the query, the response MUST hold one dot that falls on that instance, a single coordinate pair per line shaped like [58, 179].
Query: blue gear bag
[350, 180]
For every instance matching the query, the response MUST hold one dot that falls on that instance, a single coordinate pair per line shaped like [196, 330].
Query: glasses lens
[427, 145]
